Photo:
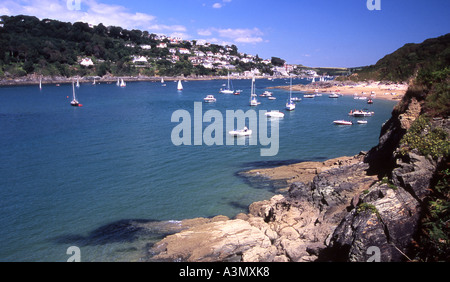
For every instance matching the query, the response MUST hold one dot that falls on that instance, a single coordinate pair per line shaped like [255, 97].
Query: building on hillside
[86, 62]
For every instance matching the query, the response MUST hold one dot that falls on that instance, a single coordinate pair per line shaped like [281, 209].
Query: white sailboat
[40, 83]
[78, 83]
[162, 82]
[290, 105]
[253, 100]
[228, 89]
[74, 101]
[118, 82]
[180, 86]
[93, 83]
[122, 83]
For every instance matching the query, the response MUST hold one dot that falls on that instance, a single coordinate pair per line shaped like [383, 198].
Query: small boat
[272, 98]
[333, 95]
[180, 86]
[362, 121]
[237, 92]
[275, 114]
[342, 122]
[266, 94]
[295, 99]
[361, 113]
[209, 99]
[242, 132]
[228, 89]
[253, 100]
[74, 102]
[370, 101]
[309, 95]
[290, 105]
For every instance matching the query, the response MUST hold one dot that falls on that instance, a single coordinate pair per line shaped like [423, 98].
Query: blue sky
[339, 33]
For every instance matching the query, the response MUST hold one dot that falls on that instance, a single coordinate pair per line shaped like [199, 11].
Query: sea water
[83, 176]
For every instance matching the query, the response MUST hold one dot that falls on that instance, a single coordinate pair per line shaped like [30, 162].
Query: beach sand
[374, 90]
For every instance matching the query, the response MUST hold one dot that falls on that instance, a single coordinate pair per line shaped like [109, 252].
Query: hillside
[404, 63]
[54, 48]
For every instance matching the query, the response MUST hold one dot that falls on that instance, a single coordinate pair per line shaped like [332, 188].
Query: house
[173, 51]
[184, 51]
[162, 45]
[146, 47]
[139, 59]
[86, 62]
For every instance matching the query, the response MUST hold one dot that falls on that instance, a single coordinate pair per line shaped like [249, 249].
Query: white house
[184, 51]
[146, 47]
[86, 62]
[139, 59]
[162, 45]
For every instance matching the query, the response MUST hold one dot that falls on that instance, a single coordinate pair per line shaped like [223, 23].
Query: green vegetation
[367, 207]
[53, 48]
[403, 64]
[433, 241]
[426, 139]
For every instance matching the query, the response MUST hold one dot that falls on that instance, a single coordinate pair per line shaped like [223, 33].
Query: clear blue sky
[341, 33]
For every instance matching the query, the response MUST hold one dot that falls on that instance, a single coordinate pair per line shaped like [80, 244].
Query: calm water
[78, 176]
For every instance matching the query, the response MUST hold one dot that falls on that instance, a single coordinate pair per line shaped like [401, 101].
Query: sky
[315, 33]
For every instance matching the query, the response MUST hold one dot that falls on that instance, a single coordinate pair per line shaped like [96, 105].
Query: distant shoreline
[46, 80]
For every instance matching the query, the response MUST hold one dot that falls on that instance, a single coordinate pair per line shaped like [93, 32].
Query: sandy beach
[375, 90]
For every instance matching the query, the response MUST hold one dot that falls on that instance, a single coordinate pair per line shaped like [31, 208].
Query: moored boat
[342, 122]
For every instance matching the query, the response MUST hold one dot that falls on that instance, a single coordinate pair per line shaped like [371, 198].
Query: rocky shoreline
[294, 226]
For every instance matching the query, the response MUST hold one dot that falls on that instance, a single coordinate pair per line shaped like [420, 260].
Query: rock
[214, 241]
[414, 173]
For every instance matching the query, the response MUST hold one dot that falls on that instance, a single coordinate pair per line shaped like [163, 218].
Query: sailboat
[118, 82]
[180, 86]
[290, 105]
[40, 83]
[78, 83]
[74, 102]
[93, 83]
[227, 90]
[162, 82]
[253, 100]
[122, 83]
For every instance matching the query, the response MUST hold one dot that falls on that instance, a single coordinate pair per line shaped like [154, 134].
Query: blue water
[74, 176]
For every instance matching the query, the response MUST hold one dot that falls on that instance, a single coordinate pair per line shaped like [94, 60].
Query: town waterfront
[75, 176]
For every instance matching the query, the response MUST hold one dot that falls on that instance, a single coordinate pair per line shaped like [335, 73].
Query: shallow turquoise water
[76, 176]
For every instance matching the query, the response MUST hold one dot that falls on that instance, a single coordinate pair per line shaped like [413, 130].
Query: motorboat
[272, 98]
[296, 99]
[275, 114]
[243, 132]
[209, 99]
[342, 122]
[237, 92]
[362, 121]
[370, 101]
[361, 113]
[333, 95]
[309, 95]
[266, 94]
